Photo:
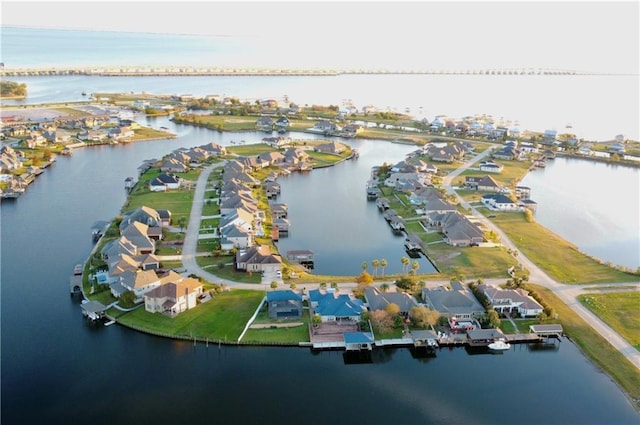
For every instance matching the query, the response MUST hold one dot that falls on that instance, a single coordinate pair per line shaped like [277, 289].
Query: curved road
[567, 293]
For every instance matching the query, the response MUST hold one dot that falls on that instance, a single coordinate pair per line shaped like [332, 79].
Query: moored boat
[500, 345]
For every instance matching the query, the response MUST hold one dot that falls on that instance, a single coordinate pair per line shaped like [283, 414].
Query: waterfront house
[511, 301]
[332, 307]
[282, 124]
[137, 234]
[271, 158]
[284, 304]
[143, 214]
[230, 204]
[214, 149]
[165, 181]
[325, 127]
[506, 153]
[258, 259]
[295, 156]
[235, 236]
[456, 229]
[377, 300]
[239, 217]
[334, 148]
[500, 202]
[279, 210]
[457, 301]
[491, 167]
[173, 165]
[264, 124]
[482, 184]
[173, 298]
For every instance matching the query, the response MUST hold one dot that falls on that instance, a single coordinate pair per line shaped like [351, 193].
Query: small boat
[84, 93]
[500, 345]
[77, 269]
[109, 323]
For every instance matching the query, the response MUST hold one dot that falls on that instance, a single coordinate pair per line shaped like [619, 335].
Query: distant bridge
[186, 71]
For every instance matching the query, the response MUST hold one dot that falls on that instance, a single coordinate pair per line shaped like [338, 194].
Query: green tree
[293, 286]
[383, 265]
[422, 317]
[407, 283]
[182, 221]
[384, 287]
[364, 266]
[392, 308]
[493, 320]
[127, 299]
[316, 320]
[274, 285]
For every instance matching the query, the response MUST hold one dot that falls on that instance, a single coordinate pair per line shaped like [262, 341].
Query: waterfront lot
[222, 318]
[620, 310]
[557, 257]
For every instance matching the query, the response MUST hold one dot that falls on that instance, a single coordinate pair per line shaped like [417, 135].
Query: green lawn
[178, 202]
[620, 310]
[292, 335]
[470, 261]
[557, 257]
[222, 318]
[222, 266]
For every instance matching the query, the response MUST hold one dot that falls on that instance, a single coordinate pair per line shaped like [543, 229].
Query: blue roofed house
[332, 307]
[284, 304]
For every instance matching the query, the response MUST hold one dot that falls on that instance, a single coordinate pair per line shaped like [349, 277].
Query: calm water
[574, 195]
[57, 369]
[331, 216]
[77, 372]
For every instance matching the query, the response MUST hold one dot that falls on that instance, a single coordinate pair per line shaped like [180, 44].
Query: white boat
[109, 323]
[499, 345]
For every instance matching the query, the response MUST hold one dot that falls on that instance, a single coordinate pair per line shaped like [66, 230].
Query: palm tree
[405, 263]
[383, 264]
[364, 266]
[414, 267]
[375, 264]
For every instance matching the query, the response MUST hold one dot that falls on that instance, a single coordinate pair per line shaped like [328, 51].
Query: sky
[573, 35]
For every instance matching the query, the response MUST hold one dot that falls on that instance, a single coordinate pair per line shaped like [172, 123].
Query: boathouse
[547, 330]
[356, 341]
[424, 339]
[93, 310]
[483, 337]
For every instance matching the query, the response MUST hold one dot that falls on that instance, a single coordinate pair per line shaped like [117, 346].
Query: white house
[173, 298]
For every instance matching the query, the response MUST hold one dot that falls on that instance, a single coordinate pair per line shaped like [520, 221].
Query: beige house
[173, 298]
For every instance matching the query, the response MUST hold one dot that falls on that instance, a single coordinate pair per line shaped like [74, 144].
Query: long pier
[187, 71]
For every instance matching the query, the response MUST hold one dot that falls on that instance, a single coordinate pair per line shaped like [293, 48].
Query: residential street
[567, 293]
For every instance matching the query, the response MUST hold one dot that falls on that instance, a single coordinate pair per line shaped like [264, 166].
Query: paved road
[567, 293]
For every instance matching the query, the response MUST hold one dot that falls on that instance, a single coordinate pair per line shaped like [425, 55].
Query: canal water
[59, 369]
[595, 205]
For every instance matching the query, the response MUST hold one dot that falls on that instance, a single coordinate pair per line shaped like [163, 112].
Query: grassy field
[620, 310]
[594, 346]
[470, 261]
[222, 318]
[222, 266]
[557, 257]
[289, 335]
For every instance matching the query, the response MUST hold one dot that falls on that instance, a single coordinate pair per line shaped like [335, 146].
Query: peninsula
[219, 278]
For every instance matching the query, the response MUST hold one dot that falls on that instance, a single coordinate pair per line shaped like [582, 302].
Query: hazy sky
[584, 36]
